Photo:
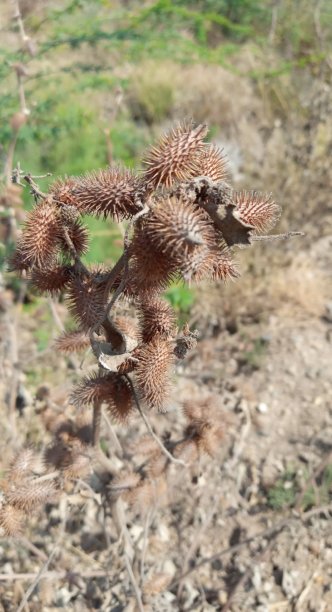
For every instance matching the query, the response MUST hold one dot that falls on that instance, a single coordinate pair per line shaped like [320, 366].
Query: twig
[55, 315]
[147, 523]
[113, 435]
[37, 579]
[133, 581]
[194, 546]
[53, 575]
[80, 267]
[96, 422]
[149, 427]
[284, 236]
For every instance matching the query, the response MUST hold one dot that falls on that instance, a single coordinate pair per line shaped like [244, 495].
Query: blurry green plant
[285, 491]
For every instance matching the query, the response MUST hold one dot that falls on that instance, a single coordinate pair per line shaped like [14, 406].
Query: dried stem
[149, 427]
[37, 579]
[96, 422]
[284, 236]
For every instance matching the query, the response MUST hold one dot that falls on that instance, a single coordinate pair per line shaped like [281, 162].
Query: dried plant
[184, 221]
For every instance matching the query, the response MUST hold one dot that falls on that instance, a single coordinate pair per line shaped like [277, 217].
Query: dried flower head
[11, 520]
[149, 270]
[175, 156]
[78, 236]
[29, 494]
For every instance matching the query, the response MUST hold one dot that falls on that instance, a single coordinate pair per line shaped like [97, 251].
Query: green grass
[286, 490]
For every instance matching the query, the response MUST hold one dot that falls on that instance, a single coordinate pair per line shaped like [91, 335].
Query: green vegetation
[287, 489]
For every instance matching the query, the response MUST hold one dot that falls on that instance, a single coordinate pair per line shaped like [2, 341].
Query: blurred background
[94, 83]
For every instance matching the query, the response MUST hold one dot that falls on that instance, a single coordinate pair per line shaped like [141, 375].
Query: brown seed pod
[31, 494]
[175, 156]
[153, 372]
[11, 520]
[24, 464]
[149, 269]
[115, 192]
[223, 267]
[157, 318]
[177, 228]
[72, 342]
[257, 209]
[51, 279]
[19, 261]
[78, 235]
[62, 189]
[111, 389]
[41, 235]
[87, 300]
[212, 163]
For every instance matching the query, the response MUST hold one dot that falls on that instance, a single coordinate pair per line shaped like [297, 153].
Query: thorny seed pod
[41, 235]
[212, 163]
[78, 236]
[175, 156]
[257, 209]
[72, 342]
[149, 270]
[86, 300]
[115, 192]
[156, 359]
[29, 494]
[111, 389]
[11, 520]
[157, 318]
[51, 279]
[178, 228]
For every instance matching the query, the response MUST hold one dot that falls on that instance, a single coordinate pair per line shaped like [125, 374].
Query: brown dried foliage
[191, 222]
[41, 235]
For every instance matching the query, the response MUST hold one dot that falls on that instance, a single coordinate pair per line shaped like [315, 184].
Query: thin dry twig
[150, 429]
[37, 579]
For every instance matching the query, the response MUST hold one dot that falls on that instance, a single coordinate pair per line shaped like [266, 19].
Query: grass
[286, 489]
